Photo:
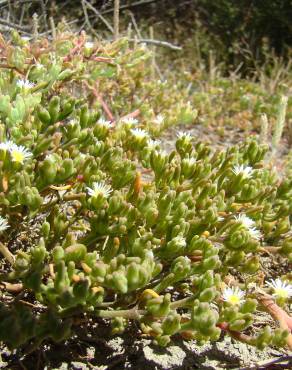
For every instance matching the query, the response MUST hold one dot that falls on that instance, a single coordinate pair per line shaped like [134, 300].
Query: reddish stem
[102, 59]
[283, 318]
[134, 114]
[79, 44]
[100, 99]
[235, 334]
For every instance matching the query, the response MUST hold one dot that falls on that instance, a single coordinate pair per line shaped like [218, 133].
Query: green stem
[77, 196]
[132, 314]
[183, 302]
[135, 314]
[167, 281]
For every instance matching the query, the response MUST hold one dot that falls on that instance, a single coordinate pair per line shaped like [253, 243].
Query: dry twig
[128, 6]
[7, 254]
[14, 25]
[165, 44]
[96, 12]
[116, 19]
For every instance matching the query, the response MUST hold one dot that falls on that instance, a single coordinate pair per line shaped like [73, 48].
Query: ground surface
[130, 352]
[93, 348]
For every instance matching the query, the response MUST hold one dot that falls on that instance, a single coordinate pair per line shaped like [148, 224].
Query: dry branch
[129, 6]
[14, 26]
[165, 44]
[116, 19]
[96, 12]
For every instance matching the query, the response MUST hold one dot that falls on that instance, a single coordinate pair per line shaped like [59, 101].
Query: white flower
[104, 123]
[180, 240]
[99, 188]
[184, 135]
[255, 233]
[233, 295]
[19, 153]
[82, 155]
[7, 145]
[282, 289]
[190, 161]
[25, 38]
[3, 224]
[149, 254]
[245, 171]
[160, 154]
[89, 45]
[72, 122]
[153, 144]
[39, 66]
[130, 121]
[159, 119]
[51, 157]
[139, 133]
[160, 82]
[245, 221]
[25, 84]
[249, 224]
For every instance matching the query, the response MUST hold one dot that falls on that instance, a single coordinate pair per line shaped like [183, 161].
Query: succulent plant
[121, 229]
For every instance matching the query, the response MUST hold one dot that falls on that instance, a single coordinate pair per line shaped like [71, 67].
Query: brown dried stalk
[7, 254]
[116, 18]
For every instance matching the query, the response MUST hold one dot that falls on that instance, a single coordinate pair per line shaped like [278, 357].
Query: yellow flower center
[281, 292]
[97, 193]
[17, 156]
[234, 299]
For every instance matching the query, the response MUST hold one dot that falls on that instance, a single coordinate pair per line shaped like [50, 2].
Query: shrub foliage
[98, 221]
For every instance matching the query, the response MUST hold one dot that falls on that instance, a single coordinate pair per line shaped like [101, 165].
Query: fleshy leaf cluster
[115, 227]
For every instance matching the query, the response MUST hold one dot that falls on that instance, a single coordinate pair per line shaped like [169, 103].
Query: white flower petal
[3, 224]
[130, 121]
[245, 221]
[255, 233]
[139, 133]
[245, 171]
[99, 188]
[159, 119]
[39, 66]
[153, 144]
[233, 295]
[282, 289]
[19, 153]
[190, 161]
[7, 145]
[184, 135]
[104, 123]
[89, 45]
[26, 84]
[249, 224]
